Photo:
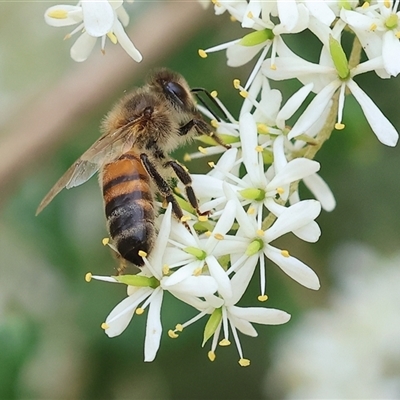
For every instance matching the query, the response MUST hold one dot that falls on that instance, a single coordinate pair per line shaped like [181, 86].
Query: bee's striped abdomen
[129, 206]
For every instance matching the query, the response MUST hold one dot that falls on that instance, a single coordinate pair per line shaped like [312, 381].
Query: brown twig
[43, 125]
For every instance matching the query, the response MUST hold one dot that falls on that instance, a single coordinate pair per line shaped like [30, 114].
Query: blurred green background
[51, 344]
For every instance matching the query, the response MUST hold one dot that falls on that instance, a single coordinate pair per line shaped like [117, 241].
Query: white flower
[251, 244]
[378, 30]
[327, 80]
[224, 314]
[151, 295]
[97, 19]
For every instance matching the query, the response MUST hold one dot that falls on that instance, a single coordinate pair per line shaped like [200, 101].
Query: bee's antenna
[197, 91]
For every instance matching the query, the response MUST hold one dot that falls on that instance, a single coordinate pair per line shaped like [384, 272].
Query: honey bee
[132, 157]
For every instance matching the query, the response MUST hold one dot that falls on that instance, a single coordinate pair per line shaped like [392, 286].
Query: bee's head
[173, 88]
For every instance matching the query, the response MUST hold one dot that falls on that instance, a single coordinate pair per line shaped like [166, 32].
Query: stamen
[259, 149]
[285, 253]
[203, 218]
[260, 232]
[214, 93]
[105, 241]
[112, 37]
[236, 83]
[104, 326]
[88, 277]
[198, 271]
[202, 150]
[142, 253]
[187, 157]
[373, 27]
[262, 297]
[224, 342]
[179, 327]
[214, 123]
[185, 218]
[339, 126]
[244, 362]
[219, 236]
[211, 355]
[211, 164]
[139, 311]
[280, 190]
[165, 269]
[202, 53]
[172, 334]
[58, 14]
[365, 5]
[251, 210]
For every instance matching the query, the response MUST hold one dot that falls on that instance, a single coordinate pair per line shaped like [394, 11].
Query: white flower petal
[239, 55]
[260, 315]
[390, 53]
[98, 17]
[242, 325]
[293, 218]
[198, 286]
[180, 274]
[222, 279]
[82, 47]
[122, 313]
[294, 170]
[320, 189]
[383, 129]
[125, 42]
[153, 327]
[314, 110]
[293, 267]
[309, 233]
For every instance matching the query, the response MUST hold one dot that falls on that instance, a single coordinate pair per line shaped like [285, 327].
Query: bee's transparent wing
[105, 150]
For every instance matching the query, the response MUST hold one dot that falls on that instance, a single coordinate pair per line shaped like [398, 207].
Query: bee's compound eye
[176, 90]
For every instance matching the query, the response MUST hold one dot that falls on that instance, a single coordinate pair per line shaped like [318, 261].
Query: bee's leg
[184, 176]
[162, 186]
[202, 128]
[122, 265]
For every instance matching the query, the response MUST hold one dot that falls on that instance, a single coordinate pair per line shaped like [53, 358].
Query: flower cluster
[251, 195]
[95, 19]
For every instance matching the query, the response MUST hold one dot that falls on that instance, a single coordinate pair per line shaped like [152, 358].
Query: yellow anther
[58, 14]
[365, 5]
[187, 157]
[104, 326]
[262, 128]
[67, 36]
[216, 2]
[244, 362]
[211, 356]
[105, 241]
[177, 191]
[236, 83]
[185, 218]
[214, 123]
[172, 334]
[112, 37]
[214, 93]
[197, 271]
[88, 277]
[232, 18]
[211, 164]
[397, 34]
[273, 67]
[224, 342]
[218, 236]
[285, 253]
[373, 27]
[339, 126]
[179, 327]
[387, 4]
[259, 149]
[280, 190]
[262, 297]
[202, 150]
[250, 15]
[203, 218]
[142, 253]
[202, 53]
[139, 311]
[208, 233]
[165, 269]
[251, 210]
[260, 232]
[244, 93]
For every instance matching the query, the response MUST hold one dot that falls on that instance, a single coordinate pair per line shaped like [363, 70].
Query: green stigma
[339, 58]
[254, 247]
[212, 325]
[138, 280]
[253, 194]
[392, 21]
[256, 37]
[194, 251]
